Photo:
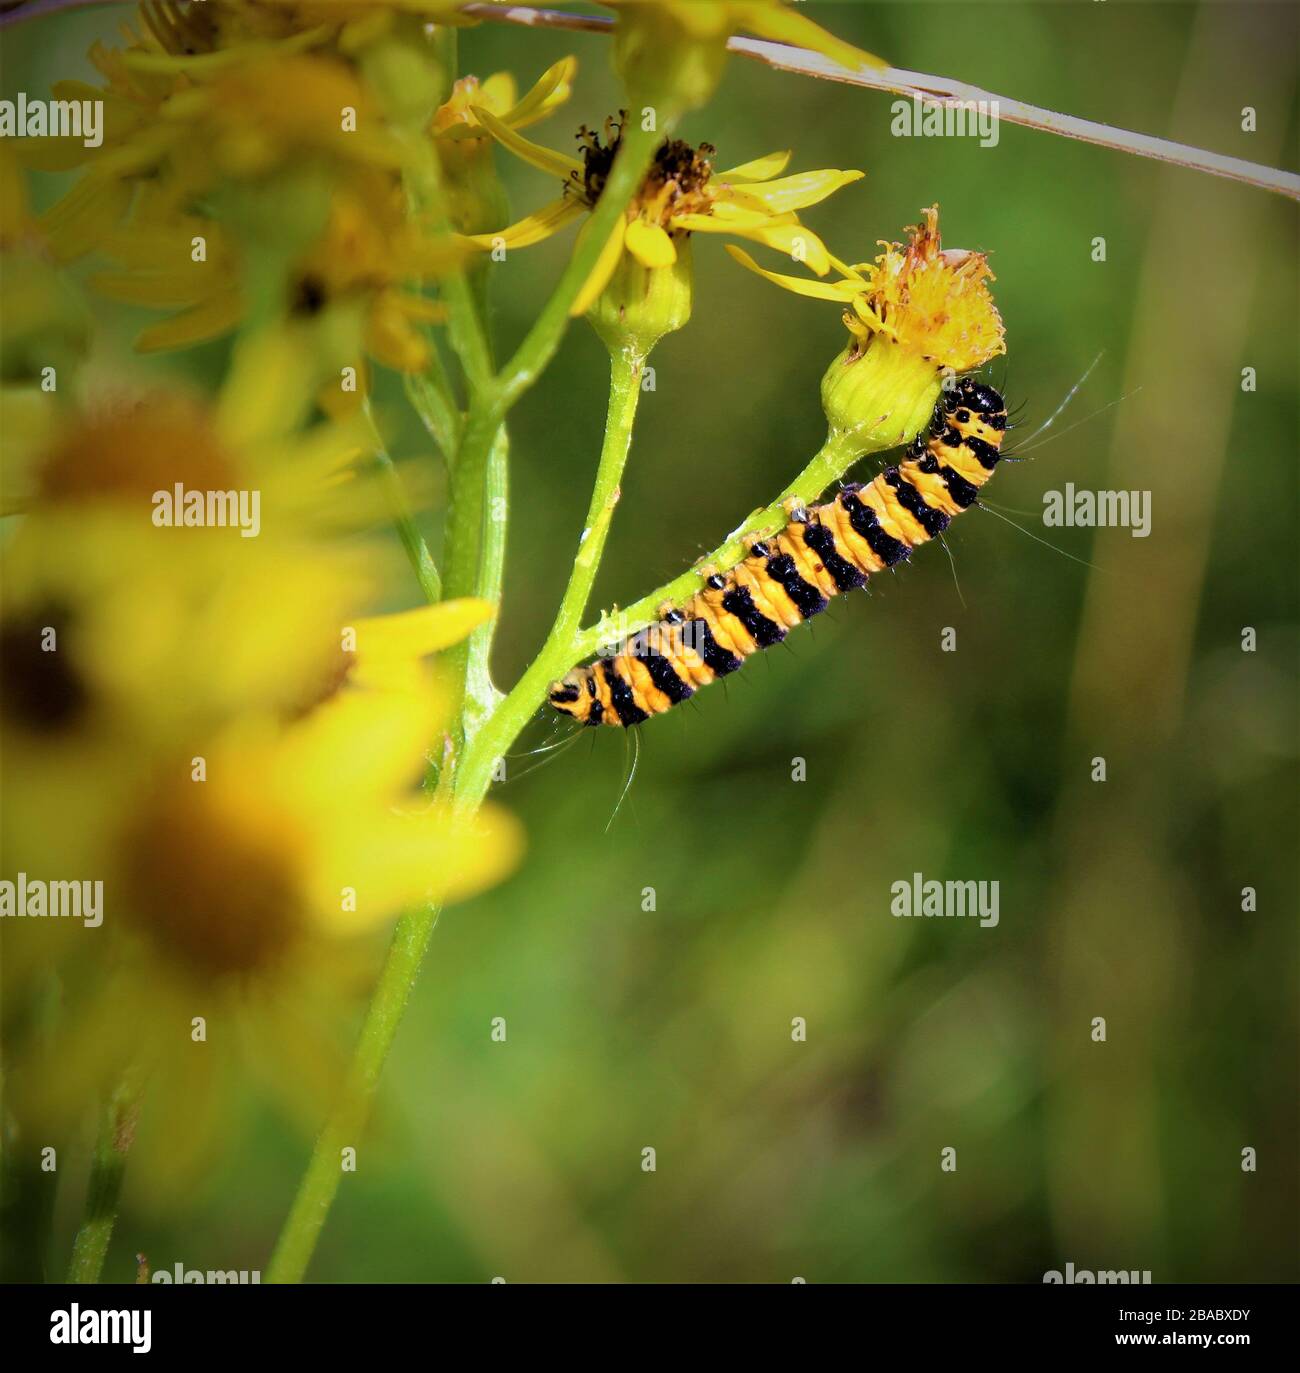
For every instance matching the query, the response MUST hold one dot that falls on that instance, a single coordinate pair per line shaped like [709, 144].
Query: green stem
[473, 698]
[833, 459]
[426, 571]
[472, 561]
[556, 655]
[464, 555]
[433, 400]
[108, 1166]
[481, 696]
[345, 1126]
[828, 464]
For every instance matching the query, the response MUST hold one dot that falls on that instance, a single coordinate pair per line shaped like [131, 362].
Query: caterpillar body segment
[785, 579]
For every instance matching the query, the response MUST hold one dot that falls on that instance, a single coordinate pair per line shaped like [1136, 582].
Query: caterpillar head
[975, 410]
[574, 695]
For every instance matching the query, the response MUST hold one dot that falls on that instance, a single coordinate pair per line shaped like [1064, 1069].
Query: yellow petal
[602, 271]
[803, 189]
[796, 239]
[85, 216]
[552, 88]
[726, 217]
[420, 632]
[356, 748]
[207, 320]
[819, 290]
[166, 289]
[545, 159]
[422, 309]
[783, 25]
[499, 92]
[269, 386]
[534, 227]
[398, 861]
[760, 169]
[649, 244]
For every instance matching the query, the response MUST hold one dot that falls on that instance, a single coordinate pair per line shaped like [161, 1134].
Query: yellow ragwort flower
[235, 912]
[256, 746]
[364, 260]
[932, 302]
[680, 195]
[916, 314]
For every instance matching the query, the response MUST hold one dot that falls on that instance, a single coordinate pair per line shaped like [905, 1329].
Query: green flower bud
[641, 304]
[880, 395]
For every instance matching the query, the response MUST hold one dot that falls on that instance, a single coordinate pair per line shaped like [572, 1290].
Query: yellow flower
[673, 51]
[932, 302]
[917, 312]
[475, 198]
[456, 123]
[209, 726]
[232, 910]
[275, 120]
[388, 653]
[681, 195]
[361, 267]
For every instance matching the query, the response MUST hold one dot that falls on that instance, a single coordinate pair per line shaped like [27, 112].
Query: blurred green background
[672, 1028]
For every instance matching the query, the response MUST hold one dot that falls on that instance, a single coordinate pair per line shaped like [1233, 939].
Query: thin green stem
[827, 465]
[626, 367]
[469, 531]
[434, 401]
[467, 572]
[108, 1166]
[346, 1125]
[472, 561]
[481, 696]
[560, 653]
[426, 571]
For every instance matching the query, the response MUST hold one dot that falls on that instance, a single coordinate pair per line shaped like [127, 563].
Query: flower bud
[641, 304]
[880, 396]
[919, 313]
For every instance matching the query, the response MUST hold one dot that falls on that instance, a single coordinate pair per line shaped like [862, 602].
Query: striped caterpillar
[823, 550]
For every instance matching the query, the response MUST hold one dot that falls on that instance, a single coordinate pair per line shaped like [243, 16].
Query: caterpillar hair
[790, 576]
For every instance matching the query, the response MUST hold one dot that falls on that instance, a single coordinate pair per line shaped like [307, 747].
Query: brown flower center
[677, 182]
[41, 690]
[135, 451]
[213, 889]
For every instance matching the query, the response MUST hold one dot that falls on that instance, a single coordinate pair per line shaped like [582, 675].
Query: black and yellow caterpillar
[823, 550]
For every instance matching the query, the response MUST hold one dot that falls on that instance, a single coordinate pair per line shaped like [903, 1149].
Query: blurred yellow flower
[673, 51]
[360, 268]
[680, 195]
[210, 727]
[231, 906]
